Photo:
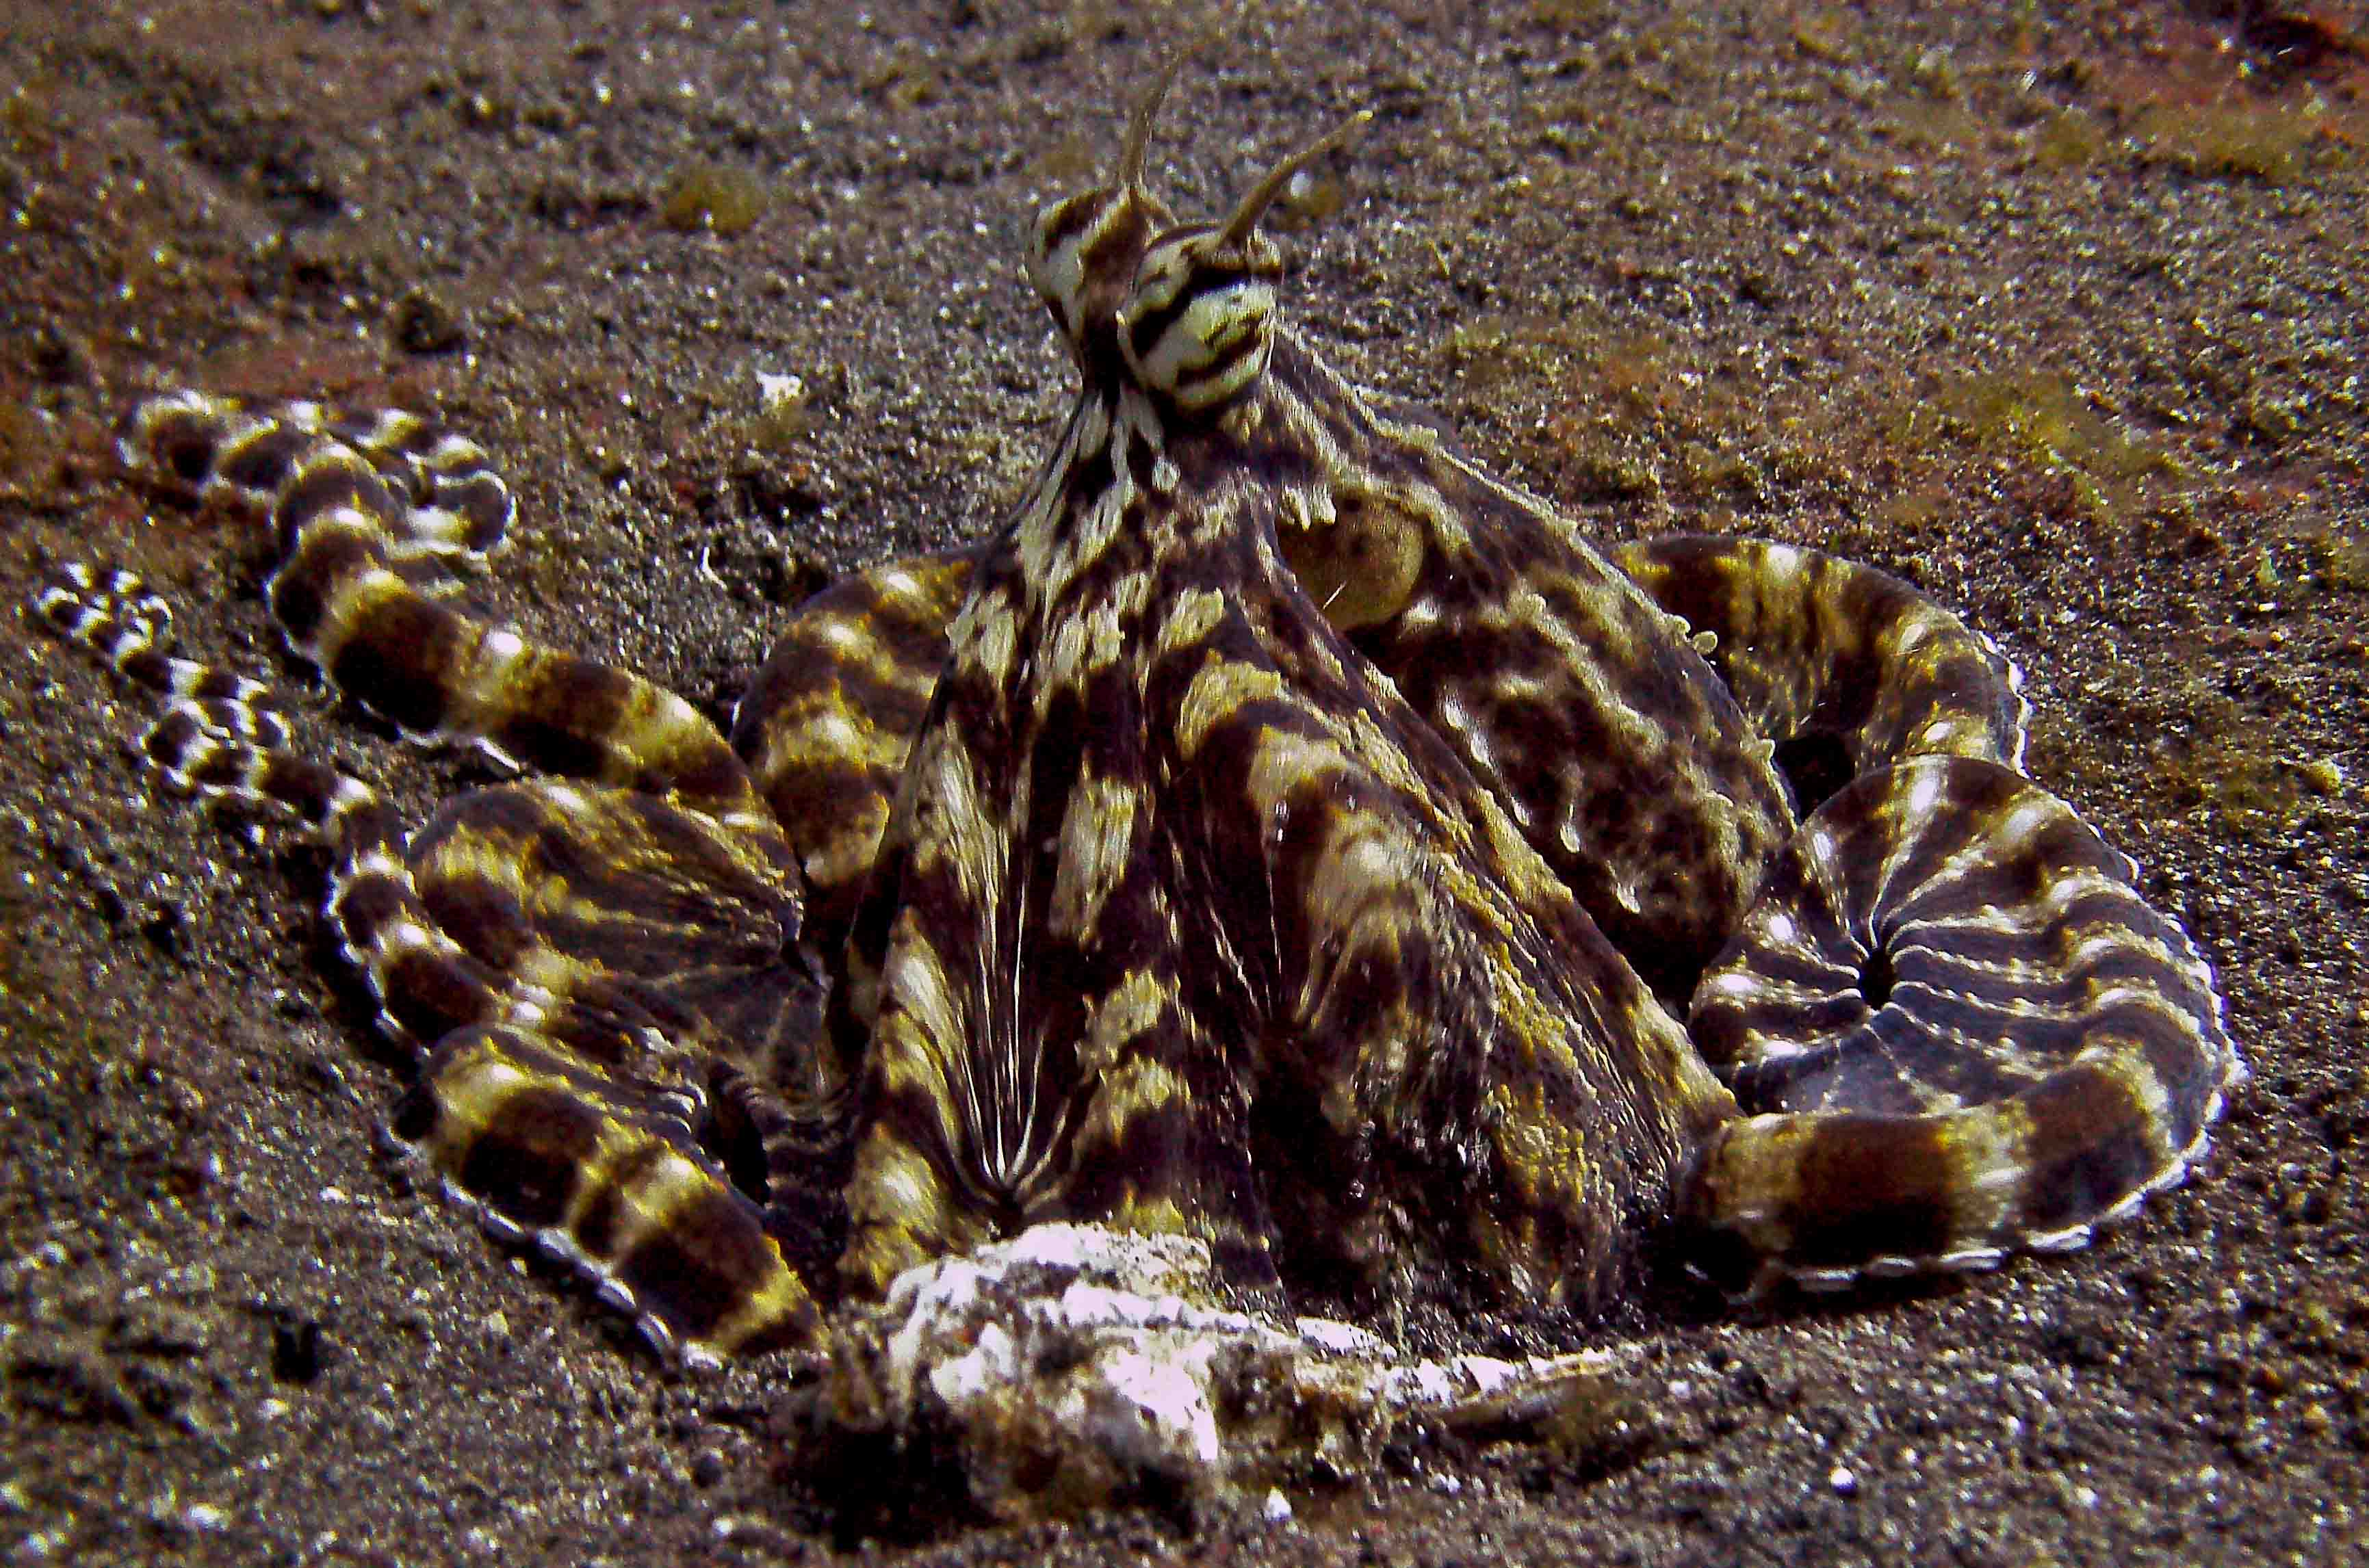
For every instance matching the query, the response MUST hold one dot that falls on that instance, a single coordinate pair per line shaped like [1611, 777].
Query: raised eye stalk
[1238, 225]
[1260, 197]
[1132, 151]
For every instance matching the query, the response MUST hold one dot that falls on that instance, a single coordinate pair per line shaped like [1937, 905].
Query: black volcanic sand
[2058, 313]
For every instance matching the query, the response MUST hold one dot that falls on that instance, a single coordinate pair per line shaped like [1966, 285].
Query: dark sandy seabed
[2058, 311]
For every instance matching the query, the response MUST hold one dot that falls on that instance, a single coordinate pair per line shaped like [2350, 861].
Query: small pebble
[1845, 1484]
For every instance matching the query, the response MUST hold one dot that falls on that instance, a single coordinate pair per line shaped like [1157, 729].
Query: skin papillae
[1277, 832]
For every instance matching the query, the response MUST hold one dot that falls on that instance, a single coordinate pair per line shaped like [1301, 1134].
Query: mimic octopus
[1277, 832]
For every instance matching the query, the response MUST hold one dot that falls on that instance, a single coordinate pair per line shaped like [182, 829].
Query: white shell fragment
[1077, 1364]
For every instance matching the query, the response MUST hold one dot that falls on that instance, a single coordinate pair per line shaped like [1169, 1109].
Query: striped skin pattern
[1278, 831]
[1962, 1029]
[587, 976]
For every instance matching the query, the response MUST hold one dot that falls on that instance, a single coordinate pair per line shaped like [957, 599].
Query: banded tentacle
[1956, 1026]
[825, 724]
[603, 1113]
[347, 598]
[581, 1081]
[1813, 645]
[126, 623]
[1966, 1030]
[220, 738]
[435, 493]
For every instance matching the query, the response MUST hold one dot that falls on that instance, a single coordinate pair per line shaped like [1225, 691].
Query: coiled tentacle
[1954, 1022]
[1963, 1027]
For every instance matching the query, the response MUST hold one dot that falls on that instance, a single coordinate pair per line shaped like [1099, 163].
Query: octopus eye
[1083, 251]
[1200, 324]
